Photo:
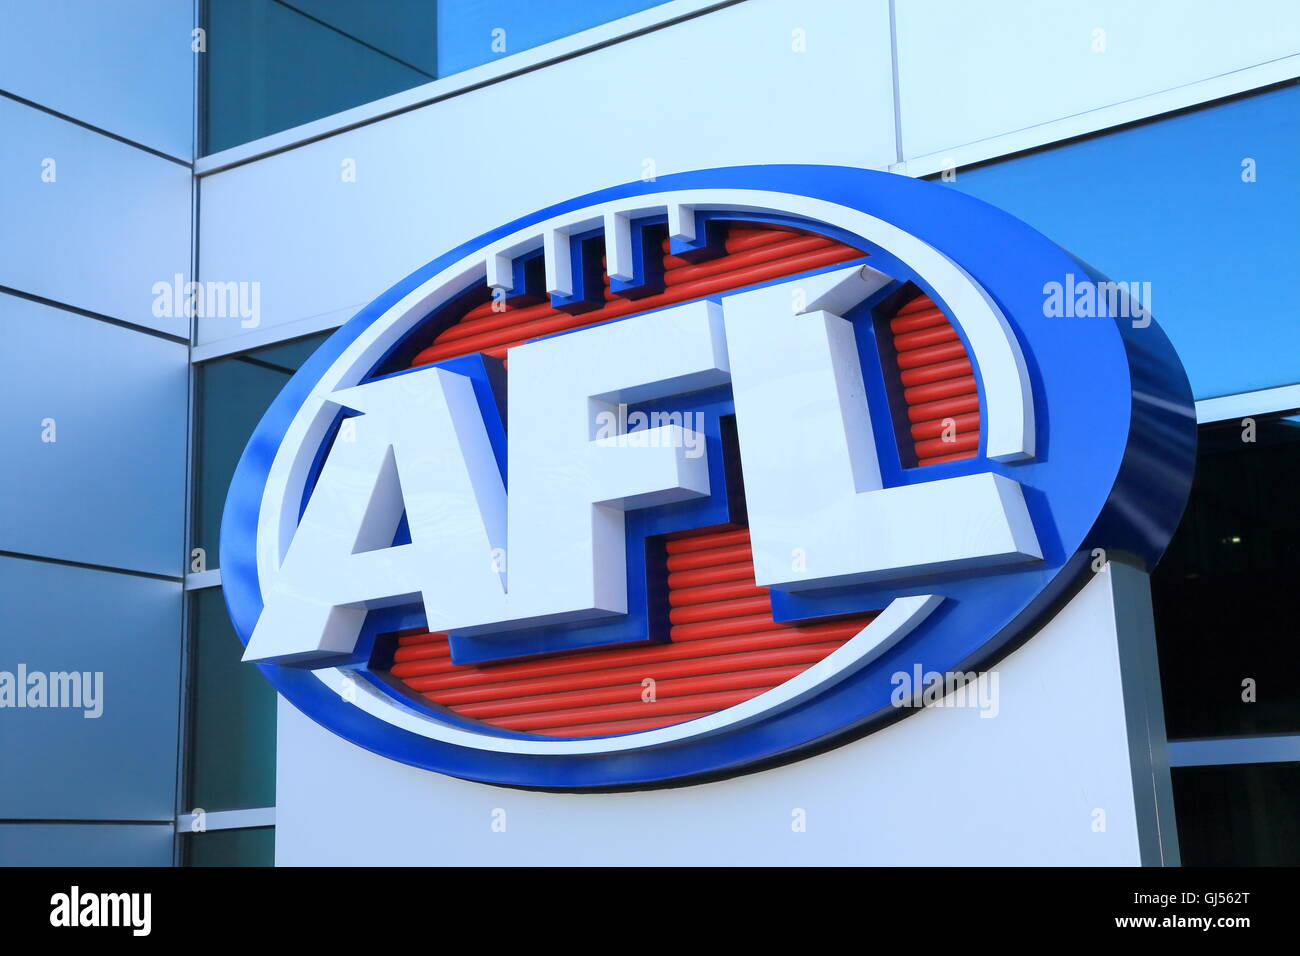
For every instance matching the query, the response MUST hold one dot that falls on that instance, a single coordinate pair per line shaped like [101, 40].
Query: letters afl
[664, 483]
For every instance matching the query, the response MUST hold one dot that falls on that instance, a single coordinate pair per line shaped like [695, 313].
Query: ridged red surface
[753, 255]
[724, 647]
[939, 387]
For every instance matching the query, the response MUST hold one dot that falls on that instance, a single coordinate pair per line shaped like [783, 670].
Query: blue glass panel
[1165, 203]
[473, 32]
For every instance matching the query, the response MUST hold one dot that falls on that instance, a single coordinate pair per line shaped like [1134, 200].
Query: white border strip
[226, 820]
[1105, 117]
[1222, 751]
[203, 579]
[1264, 401]
[575, 44]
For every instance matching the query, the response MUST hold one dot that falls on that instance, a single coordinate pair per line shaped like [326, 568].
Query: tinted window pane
[255, 847]
[275, 64]
[232, 716]
[1245, 815]
[233, 394]
[272, 65]
[1225, 592]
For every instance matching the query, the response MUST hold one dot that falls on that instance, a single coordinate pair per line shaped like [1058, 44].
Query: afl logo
[666, 482]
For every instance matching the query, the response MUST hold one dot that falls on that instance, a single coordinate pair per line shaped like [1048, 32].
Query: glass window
[251, 847]
[1234, 332]
[232, 716]
[231, 763]
[1224, 594]
[233, 394]
[1243, 815]
[275, 64]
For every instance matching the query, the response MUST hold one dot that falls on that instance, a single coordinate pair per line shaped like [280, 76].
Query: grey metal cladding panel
[110, 489]
[85, 844]
[125, 67]
[112, 223]
[59, 763]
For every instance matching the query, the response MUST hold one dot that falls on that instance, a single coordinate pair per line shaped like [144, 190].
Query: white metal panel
[970, 71]
[737, 86]
[90, 221]
[945, 786]
[1265, 401]
[201, 821]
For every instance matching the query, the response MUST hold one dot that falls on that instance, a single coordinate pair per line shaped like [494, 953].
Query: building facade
[298, 157]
